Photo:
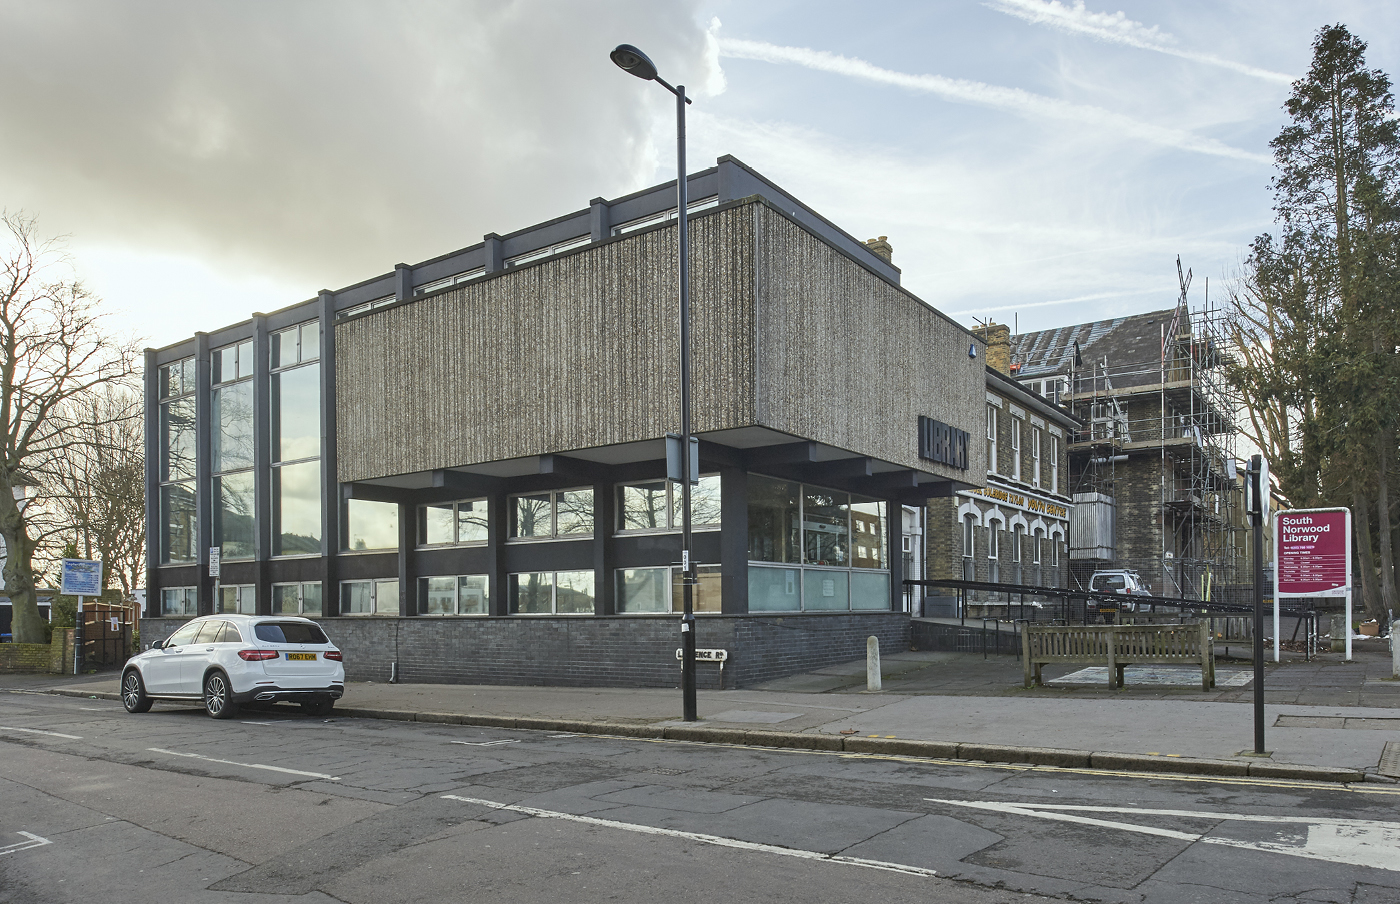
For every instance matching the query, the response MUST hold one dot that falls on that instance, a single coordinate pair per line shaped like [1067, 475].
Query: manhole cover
[1390, 759]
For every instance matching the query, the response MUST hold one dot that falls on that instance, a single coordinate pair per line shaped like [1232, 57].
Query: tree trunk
[1366, 556]
[1385, 441]
[26, 625]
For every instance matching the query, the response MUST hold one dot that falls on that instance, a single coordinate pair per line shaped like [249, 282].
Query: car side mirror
[157, 644]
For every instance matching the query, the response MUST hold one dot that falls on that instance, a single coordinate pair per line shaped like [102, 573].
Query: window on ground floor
[296, 599]
[653, 590]
[552, 593]
[816, 589]
[461, 594]
[376, 597]
[241, 599]
[179, 601]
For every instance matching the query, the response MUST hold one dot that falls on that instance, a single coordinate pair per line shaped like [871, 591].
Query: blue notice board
[81, 577]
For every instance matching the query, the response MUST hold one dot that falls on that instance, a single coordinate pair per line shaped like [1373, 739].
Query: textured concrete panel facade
[582, 351]
[848, 359]
[572, 353]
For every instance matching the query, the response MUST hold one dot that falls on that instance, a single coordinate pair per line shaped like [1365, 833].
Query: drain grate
[1390, 760]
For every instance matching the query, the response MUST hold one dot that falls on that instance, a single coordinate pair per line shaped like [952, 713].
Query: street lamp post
[630, 59]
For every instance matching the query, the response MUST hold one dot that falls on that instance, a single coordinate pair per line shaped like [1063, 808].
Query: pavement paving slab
[1322, 716]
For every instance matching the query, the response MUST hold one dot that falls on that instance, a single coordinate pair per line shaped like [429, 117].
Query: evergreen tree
[1318, 304]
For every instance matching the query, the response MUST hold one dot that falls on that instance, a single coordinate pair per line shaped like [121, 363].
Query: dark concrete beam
[785, 454]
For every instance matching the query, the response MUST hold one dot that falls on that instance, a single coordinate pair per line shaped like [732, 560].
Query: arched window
[1018, 536]
[994, 551]
[969, 569]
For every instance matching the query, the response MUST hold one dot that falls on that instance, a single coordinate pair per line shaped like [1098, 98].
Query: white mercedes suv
[227, 660]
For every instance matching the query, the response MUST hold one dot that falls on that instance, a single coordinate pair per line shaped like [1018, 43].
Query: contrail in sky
[1011, 99]
[1119, 29]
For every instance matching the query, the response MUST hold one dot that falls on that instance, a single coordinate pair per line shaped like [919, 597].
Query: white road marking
[56, 734]
[256, 723]
[696, 836]
[32, 842]
[1358, 842]
[486, 743]
[210, 759]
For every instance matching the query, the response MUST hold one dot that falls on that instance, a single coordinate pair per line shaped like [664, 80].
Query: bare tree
[54, 351]
[98, 487]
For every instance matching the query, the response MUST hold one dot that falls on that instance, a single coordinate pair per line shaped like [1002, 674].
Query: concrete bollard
[872, 663]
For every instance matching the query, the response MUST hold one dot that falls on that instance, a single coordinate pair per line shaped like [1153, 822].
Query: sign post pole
[1258, 478]
[81, 577]
[78, 636]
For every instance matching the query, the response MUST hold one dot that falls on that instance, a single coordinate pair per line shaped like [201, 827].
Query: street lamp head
[630, 59]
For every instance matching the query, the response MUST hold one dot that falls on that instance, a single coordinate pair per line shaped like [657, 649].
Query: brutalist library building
[459, 466]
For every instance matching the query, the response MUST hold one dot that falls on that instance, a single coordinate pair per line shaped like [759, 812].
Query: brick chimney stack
[998, 339]
[882, 247]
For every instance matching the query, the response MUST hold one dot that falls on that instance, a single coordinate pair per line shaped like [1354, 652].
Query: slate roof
[1133, 346]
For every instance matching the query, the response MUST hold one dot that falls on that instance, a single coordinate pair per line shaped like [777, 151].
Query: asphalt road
[100, 806]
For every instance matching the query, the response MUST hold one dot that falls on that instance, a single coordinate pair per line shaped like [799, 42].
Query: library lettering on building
[459, 466]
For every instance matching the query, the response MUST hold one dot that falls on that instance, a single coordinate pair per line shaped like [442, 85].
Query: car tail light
[257, 655]
[334, 654]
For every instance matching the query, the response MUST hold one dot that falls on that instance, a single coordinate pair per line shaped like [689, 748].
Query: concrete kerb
[795, 740]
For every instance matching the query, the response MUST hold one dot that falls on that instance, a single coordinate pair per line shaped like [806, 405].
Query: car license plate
[301, 655]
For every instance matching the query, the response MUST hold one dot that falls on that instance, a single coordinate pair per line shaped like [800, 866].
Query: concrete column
[894, 521]
[408, 573]
[262, 463]
[492, 258]
[599, 219]
[330, 487]
[497, 529]
[154, 524]
[734, 540]
[204, 486]
[604, 601]
[403, 282]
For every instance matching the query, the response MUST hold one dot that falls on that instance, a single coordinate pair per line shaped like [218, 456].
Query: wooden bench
[1118, 646]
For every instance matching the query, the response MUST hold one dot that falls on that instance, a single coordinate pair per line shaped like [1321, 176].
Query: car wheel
[218, 701]
[134, 693]
[318, 706]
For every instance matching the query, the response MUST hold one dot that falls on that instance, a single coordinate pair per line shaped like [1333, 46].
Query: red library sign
[1312, 552]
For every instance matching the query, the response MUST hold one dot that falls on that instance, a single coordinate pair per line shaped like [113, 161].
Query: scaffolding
[1177, 409]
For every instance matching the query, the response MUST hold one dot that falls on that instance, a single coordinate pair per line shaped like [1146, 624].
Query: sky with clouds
[1031, 161]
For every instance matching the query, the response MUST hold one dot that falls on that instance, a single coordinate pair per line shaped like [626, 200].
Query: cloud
[323, 141]
[1069, 229]
[1015, 100]
[1117, 28]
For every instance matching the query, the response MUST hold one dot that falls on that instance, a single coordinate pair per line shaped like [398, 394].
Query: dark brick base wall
[595, 652]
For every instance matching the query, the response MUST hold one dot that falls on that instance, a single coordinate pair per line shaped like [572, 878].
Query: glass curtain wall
[232, 450]
[296, 440]
[828, 549]
[177, 531]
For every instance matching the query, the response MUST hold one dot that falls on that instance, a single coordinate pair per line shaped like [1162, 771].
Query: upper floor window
[1035, 457]
[296, 344]
[1054, 464]
[233, 362]
[552, 514]
[447, 523]
[655, 505]
[177, 378]
[371, 525]
[991, 439]
[1016, 424]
